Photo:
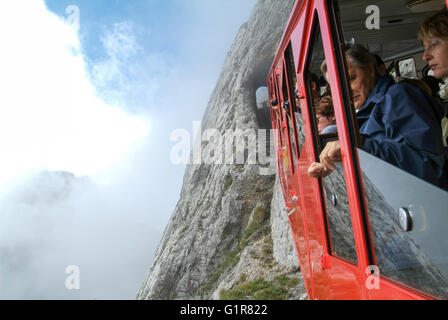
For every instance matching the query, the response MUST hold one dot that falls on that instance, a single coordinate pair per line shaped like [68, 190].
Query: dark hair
[422, 85]
[379, 61]
[325, 107]
[314, 78]
[362, 58]
[434, 84]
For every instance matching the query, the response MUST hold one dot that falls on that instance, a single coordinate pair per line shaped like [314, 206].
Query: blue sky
[191, 37]
[101, 102]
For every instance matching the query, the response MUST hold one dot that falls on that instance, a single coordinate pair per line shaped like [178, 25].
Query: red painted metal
[325, 276]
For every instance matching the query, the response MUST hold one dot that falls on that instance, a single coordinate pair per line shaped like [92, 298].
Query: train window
[277, 110]
[334, 190]
[294, 92]
[291, 76]
[287, 105]
[406, 204]
[407, 68]
[283, 160]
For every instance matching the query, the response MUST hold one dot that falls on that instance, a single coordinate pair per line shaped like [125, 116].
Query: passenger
[393, 125]
[315, 88]
[326, 121]
[433, 35]
[422, 85]
[381, 65]
[324, 78]
[324, 69]
[434, 85]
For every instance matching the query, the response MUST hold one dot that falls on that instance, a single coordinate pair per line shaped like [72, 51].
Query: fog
[85, 174]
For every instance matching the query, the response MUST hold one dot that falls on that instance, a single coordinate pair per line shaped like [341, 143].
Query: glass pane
[407, 68]
[292, 80]
[417, 257]
[338, 212]
[300, 132]
[293, 141]
[289, 131]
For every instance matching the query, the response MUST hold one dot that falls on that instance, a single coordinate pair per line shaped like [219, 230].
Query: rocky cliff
[229, 236]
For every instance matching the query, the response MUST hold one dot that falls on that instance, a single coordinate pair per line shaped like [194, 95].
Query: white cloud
[51, 115]
[120, 43]
[56, 115]
[121, 47]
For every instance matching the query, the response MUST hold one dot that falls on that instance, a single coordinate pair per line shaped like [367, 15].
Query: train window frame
[285, 144]
[278, 112]
[286, 117]
[349, 115]
[282, 144]
[291, 81]
[319, 142]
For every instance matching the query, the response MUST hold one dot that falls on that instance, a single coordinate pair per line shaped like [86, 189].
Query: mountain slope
[229, 235]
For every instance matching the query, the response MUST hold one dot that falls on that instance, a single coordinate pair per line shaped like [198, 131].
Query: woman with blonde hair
[433, 35]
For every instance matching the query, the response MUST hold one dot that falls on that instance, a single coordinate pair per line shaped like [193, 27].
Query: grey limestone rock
[217, 201]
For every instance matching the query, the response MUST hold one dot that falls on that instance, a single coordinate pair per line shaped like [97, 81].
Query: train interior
[395, 41]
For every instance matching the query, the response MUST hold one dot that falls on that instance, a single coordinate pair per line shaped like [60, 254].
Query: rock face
[284, 250]
[228, 232]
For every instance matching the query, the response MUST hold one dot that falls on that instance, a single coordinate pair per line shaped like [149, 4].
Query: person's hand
[318, 170]
[330, 155]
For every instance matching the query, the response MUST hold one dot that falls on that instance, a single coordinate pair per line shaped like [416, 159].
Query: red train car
[369, 230]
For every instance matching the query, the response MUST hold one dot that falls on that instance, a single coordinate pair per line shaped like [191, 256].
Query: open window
[333, 188]
[292, 107]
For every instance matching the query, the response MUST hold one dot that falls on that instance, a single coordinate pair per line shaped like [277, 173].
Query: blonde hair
[435, 25]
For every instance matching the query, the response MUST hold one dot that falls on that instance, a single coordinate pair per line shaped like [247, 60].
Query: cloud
[51, 115]
[114, 72]
[120, 44]
[54, 117]
[53, 220]
[88, 115]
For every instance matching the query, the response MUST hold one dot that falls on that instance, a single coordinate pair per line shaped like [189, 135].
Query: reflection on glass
[418, 257]
[300, 132]
[293, 140]
[338, 213]
[407, 68]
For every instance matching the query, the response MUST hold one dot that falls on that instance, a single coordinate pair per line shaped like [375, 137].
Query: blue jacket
[401, 124]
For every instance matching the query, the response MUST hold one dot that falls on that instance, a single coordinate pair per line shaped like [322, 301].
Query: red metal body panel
[325, 276]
